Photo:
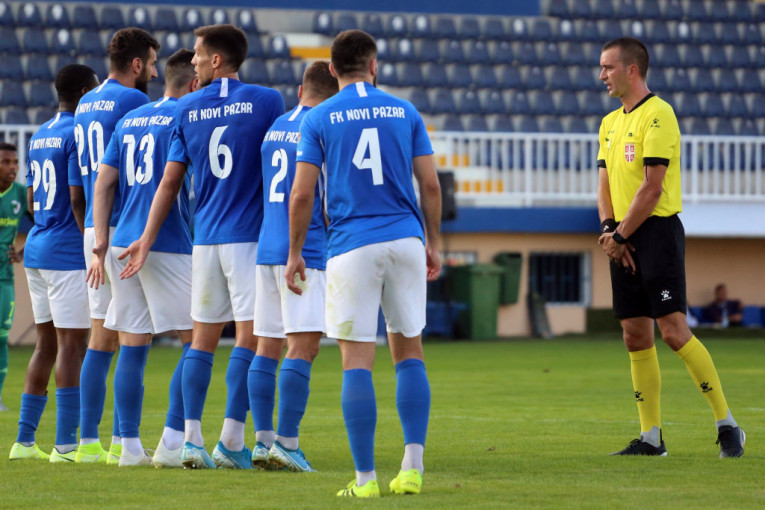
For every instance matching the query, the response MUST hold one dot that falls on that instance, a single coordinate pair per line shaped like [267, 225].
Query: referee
[638, 202]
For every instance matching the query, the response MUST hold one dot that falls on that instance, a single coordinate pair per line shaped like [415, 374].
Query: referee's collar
[646, 98]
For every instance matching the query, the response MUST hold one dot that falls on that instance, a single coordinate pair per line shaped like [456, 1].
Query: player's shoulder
[20, 189]
[659, 105]
[258, 91]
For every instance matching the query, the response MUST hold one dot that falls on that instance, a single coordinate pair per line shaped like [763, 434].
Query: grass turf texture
[522, 423]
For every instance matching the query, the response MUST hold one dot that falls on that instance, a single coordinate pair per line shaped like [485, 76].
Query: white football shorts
[223, 282]
[59, 296]
[392, 274]
[97, 298]
[155, 300]
[279, 311]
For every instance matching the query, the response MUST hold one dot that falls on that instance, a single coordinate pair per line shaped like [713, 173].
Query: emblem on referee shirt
[629, 152]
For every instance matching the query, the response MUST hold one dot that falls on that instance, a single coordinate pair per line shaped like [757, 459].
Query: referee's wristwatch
[618, 238]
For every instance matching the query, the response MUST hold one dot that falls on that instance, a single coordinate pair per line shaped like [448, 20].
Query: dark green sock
[3, 360]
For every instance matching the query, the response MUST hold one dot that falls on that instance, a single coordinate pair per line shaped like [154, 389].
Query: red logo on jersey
[629, 152]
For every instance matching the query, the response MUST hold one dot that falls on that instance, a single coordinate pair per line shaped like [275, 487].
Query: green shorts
[7, 305]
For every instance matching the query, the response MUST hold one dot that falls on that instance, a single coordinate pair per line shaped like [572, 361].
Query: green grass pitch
[516, 424]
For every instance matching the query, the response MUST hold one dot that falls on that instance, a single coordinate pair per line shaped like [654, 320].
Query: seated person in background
[723, 311]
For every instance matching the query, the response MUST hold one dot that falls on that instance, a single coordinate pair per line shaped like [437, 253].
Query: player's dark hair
[631, 51]
[5, 146]
[351, 52]
[71, 80]
[318, 81]
[129, 43]
[227, 40]
[179, 70]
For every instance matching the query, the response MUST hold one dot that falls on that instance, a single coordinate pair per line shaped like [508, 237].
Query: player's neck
[343, 82]
[635, 95]
[65, 106]
[124, 79]
[225, 74]
[5, 187]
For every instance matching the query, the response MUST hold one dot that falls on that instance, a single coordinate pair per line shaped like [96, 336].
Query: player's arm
[77, 197]
[301, 211]
[30, 202]
[103, 203]
[605, 206]
[164, 198]
[424, 170]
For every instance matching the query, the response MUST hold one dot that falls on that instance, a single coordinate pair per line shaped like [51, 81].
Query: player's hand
[137, 251]
[13, 255]
[433, 261]
[627, 261]
[95, 276]
[294, 273]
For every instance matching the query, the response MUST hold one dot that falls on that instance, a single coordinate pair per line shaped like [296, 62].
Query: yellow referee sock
[646, 381]
[702, 369]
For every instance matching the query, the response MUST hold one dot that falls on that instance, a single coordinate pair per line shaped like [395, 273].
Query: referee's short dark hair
[179, 70]
[352, 50]
[72, 79]
[318, 81]
[631, 51]
[129, 43]
[227, 40]
[5, 146]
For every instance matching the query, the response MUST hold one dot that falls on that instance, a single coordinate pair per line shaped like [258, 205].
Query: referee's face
[613, 73]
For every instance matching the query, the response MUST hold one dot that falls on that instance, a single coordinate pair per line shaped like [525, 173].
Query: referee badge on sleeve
[629, 152]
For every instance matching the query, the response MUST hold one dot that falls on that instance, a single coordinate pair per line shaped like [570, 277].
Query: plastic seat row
[64, 15]
[735, 10]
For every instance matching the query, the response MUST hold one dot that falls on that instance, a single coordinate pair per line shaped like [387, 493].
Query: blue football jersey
[139, 148]
[55, 240]
[94, 121]
[367, 139]
[218, 132]
[278, 155]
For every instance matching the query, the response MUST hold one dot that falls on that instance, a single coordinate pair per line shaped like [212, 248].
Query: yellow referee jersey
[648, 135]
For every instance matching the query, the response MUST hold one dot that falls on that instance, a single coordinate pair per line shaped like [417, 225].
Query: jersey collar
[646, 98]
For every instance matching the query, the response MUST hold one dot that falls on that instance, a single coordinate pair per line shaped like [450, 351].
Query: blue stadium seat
[724, 127]
[422, 27]
[111, 18]
[191, 19]
[673, 10]
[12, 68]
[749, 128]
[694, 57]
[453, 53]
[752, 34]
[35, 42]
[290, 97]
[559, 9]
[419, 98]
[429, 51]
[28, 15]
[435, 76]
[679, 81]
[729, 33]
[740, 58]
[62, 42]
[8, 41]
[494, 29]
[494, 103]
[43, 115]
[544, 103]
[759, 12]
[717, 12]
[38, 68]
[567, 31]
[479, 53]
[84, 16]
[611, 31]
[750, 81]
[568, 104]
[550, 54]
[741, 11]
[98, 64]
[658, 32]
[469, 28]
[278, 47]
[657, 80]
[453, 123]
[165, 19]
[683, 33]
[628, 10]
[593, 103]
[445, 28]
[560, 79]
[519, 104]
[503, 124]
[535, 79]
[6, 15]
[404, 50]
[604, 9]
[443, 102]
[410, 75]
[528, 54]
[738, 107]
[218, 17]
[41, 93]
[542, 31]
[518, 30]
[346, 21]
[64, 60]
[510, 77]
[57, 16]
[699, 126]
[15, 115]
[697, 11]
[650, 10]
[503, 53]
[155, 90]
[728, 82]
[578, 125]
[552, 125]
[373, 25]
[529, 124]
[758, 106]
[139, 17]
[637, 30]
[590, 32]
[582, 9]
[12, 94]
[759, 58]
[90, 43]
[284, 74]
[751, 317]
[254, 47]
[718, 58]
[323, 24]
[170, 44]
[256, 71]
[397, 26]
[689, 105]
[469, 102]
[384, 51]
[245, 19]
[574, 55]
[388, 74]
[670, 57]
[586, 78]
[477, 123]
[485, 77]
[713, 106]
[461, 76]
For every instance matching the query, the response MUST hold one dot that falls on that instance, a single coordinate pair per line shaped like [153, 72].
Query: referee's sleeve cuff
[602, 163]
[655, 161]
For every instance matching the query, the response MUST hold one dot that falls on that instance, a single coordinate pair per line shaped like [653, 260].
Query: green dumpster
[477, 286]
[511, 276]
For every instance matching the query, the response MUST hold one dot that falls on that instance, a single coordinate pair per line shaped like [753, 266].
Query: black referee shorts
[658, 286]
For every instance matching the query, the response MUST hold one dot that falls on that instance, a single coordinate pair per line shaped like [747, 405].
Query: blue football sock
[413, 400]
[95, 367]
[294, 378]
[67, 415]
[360, 414]
[32, 407]
[237, 401]
[175, 409]
[261, 383]
[128, 388]
[197, 370]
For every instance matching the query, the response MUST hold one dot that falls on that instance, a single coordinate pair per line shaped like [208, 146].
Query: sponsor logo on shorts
[629, 152]
[665, 295]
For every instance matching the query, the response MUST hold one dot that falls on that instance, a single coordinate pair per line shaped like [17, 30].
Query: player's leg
[403, 303]
[7, 308]
[170, 447]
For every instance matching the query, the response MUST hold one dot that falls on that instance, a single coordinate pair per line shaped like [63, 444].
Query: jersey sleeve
[660, 139]
[111, 155]
[601, 141]
[23, 199]
[30, 175]
[421, 140]
[75, 172]
[177, 151]
[309, 149]
[277, 107]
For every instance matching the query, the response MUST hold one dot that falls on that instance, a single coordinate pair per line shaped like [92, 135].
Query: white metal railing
[546, 168]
